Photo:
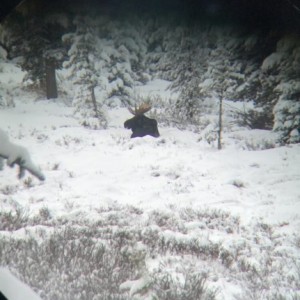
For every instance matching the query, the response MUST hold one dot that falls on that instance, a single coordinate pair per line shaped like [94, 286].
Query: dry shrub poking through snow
[9, 189]
[13, 219]
[72, 263]
[191, 287]
[127, 253]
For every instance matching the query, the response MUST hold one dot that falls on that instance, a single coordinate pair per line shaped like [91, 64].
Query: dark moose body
[140, 124]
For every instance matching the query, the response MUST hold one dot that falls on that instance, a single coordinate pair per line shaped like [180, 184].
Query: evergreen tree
[124, 61]
[36, 42]
[188, 104]
[81, 65]
[12, 35]
[6, 98]
[224, 73]
[287, 109]
[189, 65]
[163, 40]
[120, 77]
[133, 39]
[42, 54]
[155, 48]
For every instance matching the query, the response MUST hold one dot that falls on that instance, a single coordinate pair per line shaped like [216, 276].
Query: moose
[140, 124]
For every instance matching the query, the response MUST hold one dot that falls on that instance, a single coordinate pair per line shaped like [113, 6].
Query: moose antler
[142, 109]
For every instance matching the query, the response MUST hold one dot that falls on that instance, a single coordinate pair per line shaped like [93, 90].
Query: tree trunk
[94, 102]
[220, 124]
[51, 87]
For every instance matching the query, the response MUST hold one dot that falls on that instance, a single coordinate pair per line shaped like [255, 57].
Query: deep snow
[100, 167]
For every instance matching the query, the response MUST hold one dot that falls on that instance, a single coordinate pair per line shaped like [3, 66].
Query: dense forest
[206, 51]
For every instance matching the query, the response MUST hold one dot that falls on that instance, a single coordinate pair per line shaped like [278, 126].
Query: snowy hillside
[145, 218]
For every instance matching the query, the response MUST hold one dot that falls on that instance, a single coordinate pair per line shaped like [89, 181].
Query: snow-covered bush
[190, 286]
[13, 219]
[128, 253]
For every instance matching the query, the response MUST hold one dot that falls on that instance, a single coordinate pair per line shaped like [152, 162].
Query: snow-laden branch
[15, 154]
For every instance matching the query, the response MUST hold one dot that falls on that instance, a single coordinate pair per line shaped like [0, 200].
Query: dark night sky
[264, 14]
[6, 6]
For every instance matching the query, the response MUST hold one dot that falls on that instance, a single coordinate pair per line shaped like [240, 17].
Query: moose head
[140, 124]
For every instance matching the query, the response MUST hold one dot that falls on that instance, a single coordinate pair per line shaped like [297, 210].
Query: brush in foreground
[15, 154]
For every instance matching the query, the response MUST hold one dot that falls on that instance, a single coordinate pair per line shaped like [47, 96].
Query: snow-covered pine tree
[82, 72]
[287, 109]
[12, 35]
[6, 98]
[249, 66]
[35, 43]
[133, 38]
[185, 62]
[123, 55]
[267, 95]
[214, 87]
[154, 38]
[163, 41]
[250, 84]
[224, 72]
[287, 113]
[36, 38]
[41, 45]
[188, 65]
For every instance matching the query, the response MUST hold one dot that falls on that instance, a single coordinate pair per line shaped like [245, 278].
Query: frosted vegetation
[169, 218]
[127, 254]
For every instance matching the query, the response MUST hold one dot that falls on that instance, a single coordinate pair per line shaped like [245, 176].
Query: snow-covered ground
[252, 196]
[106, 166]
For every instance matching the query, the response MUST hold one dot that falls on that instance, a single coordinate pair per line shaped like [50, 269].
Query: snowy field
[148, 218]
